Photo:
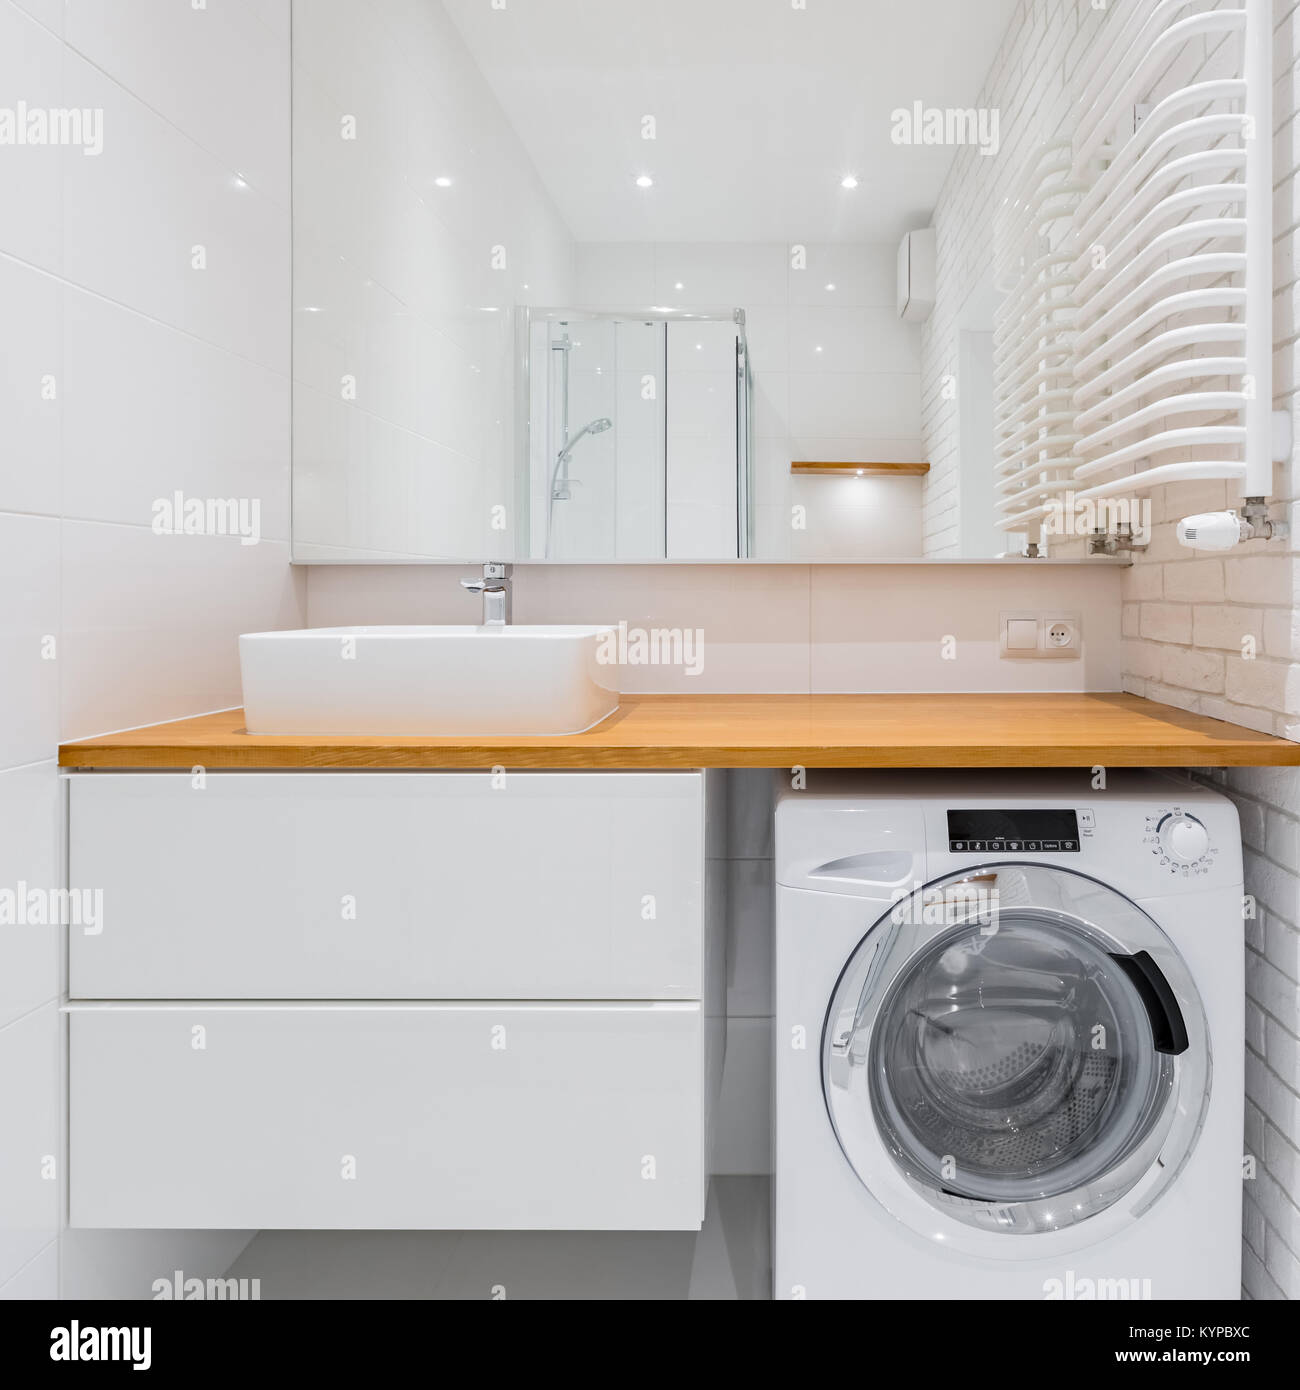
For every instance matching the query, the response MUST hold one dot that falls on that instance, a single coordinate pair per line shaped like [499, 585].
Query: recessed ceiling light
[830, 287]
[699, 347]
[443, 182]
[645, 181]
[679, 286]
[848, 181]
[818, 348]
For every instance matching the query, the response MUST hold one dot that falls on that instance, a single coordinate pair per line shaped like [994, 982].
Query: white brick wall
[1269, 802]
[1214, 635]
[1257, 610]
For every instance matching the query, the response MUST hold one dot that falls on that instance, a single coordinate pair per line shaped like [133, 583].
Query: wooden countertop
[678, 731]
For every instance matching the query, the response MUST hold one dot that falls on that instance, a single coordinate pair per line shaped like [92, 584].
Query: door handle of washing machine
[1168, 1027]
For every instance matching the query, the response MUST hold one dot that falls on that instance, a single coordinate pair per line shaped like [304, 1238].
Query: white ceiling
[761, 109]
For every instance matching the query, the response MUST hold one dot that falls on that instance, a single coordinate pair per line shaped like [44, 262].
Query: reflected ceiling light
[830, 287]
[443, 182]
[645, 181]
[848, 181]
[861, 473]
[679, 286]
[818, 348]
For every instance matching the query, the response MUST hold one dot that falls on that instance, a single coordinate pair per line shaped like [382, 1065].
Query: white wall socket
[1051, 636]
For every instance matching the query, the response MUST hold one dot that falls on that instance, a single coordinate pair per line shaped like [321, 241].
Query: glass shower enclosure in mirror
[630, 283]
[636, 435]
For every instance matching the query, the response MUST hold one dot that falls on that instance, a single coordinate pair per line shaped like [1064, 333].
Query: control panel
[1013, 832]
[1180, 842]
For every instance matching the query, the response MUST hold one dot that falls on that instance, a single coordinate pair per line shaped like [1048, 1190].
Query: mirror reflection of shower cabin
[636, 440]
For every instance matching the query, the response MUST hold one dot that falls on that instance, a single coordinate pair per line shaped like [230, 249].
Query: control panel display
[1013, 832]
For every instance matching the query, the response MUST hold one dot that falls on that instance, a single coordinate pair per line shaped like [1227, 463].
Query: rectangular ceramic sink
[451, 681]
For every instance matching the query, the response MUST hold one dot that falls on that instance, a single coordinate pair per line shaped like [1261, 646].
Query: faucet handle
[496, 576]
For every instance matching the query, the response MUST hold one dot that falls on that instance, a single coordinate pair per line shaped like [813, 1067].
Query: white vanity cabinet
[398, 1000]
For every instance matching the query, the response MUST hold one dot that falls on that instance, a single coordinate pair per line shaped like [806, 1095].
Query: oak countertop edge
[666, 732]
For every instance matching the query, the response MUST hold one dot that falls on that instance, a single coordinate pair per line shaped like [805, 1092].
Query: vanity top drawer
[389, 885]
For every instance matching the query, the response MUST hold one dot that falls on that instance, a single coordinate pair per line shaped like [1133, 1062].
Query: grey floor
[729, 1259]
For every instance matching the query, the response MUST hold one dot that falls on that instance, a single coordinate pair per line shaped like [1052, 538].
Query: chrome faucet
[495, 588]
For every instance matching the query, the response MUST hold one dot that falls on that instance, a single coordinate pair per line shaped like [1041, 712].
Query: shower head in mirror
[593, 427]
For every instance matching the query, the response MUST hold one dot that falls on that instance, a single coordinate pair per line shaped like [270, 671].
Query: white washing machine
[1009, 1038]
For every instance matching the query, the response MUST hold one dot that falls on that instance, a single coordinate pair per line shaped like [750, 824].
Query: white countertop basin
[452, 681]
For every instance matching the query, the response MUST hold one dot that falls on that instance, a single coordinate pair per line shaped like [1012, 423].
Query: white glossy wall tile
[181, 60]
[31, 825]
[31, 364]
[29, 628]
[163, 614]
[145, 304]
[213, 260]
[31, 211]
[218, 425]
[30, 1152]
[38, 1279]
[744, 1143]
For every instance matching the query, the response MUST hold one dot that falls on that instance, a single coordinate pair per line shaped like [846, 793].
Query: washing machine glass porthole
[1021, 1071]
[1013, 1066]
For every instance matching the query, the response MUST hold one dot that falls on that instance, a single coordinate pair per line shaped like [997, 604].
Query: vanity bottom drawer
[388, 1116]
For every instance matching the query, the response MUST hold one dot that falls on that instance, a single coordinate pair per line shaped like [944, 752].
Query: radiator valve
[1223, 530]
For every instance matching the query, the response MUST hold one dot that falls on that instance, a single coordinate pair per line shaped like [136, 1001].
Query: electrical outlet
[1062, 634]
[1040, 636]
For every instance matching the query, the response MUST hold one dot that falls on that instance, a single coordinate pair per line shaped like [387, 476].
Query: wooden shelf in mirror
[861, 470]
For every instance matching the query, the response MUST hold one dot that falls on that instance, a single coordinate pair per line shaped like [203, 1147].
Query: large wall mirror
[618, 281]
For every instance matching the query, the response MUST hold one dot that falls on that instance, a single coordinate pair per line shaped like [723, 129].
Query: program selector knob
[1183, 838]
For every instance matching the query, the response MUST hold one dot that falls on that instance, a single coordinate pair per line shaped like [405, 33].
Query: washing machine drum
[1015, 1042]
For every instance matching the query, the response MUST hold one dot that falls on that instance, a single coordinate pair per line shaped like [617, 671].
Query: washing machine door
[1015, 1049]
